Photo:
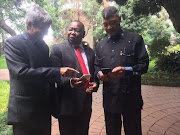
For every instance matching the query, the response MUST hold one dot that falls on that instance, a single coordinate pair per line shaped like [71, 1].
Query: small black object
[105, 71]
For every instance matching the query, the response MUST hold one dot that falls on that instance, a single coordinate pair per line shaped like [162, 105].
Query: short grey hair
[37, 16]
[109, 12]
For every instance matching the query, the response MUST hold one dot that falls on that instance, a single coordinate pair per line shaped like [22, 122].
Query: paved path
[4, 74]
[160, 114]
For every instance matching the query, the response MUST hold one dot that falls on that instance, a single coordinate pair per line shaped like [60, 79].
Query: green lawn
[4, 96]
[3, 64]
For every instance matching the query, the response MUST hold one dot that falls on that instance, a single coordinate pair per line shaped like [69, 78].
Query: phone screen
[85, 77]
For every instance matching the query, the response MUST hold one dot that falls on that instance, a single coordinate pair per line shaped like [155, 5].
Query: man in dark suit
[27, 58]
[75, 95]
[125, 54]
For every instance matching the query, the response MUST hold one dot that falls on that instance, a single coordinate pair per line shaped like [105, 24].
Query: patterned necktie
[82, 64]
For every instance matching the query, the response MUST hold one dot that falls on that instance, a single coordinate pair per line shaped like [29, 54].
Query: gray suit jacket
[72, 101]
[27, 62]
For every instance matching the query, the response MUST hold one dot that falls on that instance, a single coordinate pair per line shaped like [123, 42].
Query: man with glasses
[124, 56]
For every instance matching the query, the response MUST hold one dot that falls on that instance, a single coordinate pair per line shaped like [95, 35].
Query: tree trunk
[173, 9]
[6, 28]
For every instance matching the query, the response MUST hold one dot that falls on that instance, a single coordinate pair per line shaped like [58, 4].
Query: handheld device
[105, 71]
[85, 77]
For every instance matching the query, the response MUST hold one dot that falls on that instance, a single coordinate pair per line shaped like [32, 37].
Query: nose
[109, 27]
[73, 32]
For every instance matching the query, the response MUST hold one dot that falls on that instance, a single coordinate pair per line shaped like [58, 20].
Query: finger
[89, 90]
[72, 69]
[66, 74]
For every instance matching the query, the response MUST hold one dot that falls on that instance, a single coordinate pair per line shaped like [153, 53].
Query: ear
[119, 18]
[84, 34]
[29, 25]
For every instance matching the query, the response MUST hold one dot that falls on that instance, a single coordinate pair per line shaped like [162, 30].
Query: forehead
[112, 18]
[75, 25]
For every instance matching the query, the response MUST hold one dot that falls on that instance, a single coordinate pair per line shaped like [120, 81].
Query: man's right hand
[76, 82]
[103, 77]
[66, 71]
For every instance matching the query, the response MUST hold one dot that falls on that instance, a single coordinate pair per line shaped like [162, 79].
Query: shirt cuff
[128, 68]
[131, 69]
[71, 83]
[98, 75]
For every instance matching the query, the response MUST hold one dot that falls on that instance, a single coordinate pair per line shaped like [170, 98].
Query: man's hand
[103, 77]
[117, 72]
[91, 87]
[66, 71]
[78, 83]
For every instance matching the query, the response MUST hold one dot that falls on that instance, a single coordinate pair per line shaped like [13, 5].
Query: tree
[63, 12]
[137, 24]
[13, 13]
[154, 6]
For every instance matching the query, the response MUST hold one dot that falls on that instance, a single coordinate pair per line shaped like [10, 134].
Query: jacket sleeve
[98, 59]
[18, 67]
[94, 77]
[56, 61]
[142, 58]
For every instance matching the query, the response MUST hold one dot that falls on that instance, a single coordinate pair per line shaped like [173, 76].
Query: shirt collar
[118, 35]
[32, 38]
[80, 46]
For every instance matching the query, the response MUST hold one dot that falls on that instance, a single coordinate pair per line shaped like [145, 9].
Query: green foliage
[13, 12]
[4, 96]
[4, 128]
[3, 64]
[158, 46]
[90, 8]
[151, 65]
[61, 16]
[99, 32]
[161, 79]
[137, 24]
[146, 7]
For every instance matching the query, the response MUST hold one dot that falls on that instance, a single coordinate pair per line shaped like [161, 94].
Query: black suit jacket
[27, 62]
[72, 101]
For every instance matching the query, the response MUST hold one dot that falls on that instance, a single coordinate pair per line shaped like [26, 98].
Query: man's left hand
[91, 87]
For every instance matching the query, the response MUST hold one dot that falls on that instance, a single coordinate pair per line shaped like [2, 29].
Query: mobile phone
[85, 77]
[105, 71]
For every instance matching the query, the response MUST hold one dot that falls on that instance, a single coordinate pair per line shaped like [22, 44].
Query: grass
[4, 96]
[3, 64]
[5, 129]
